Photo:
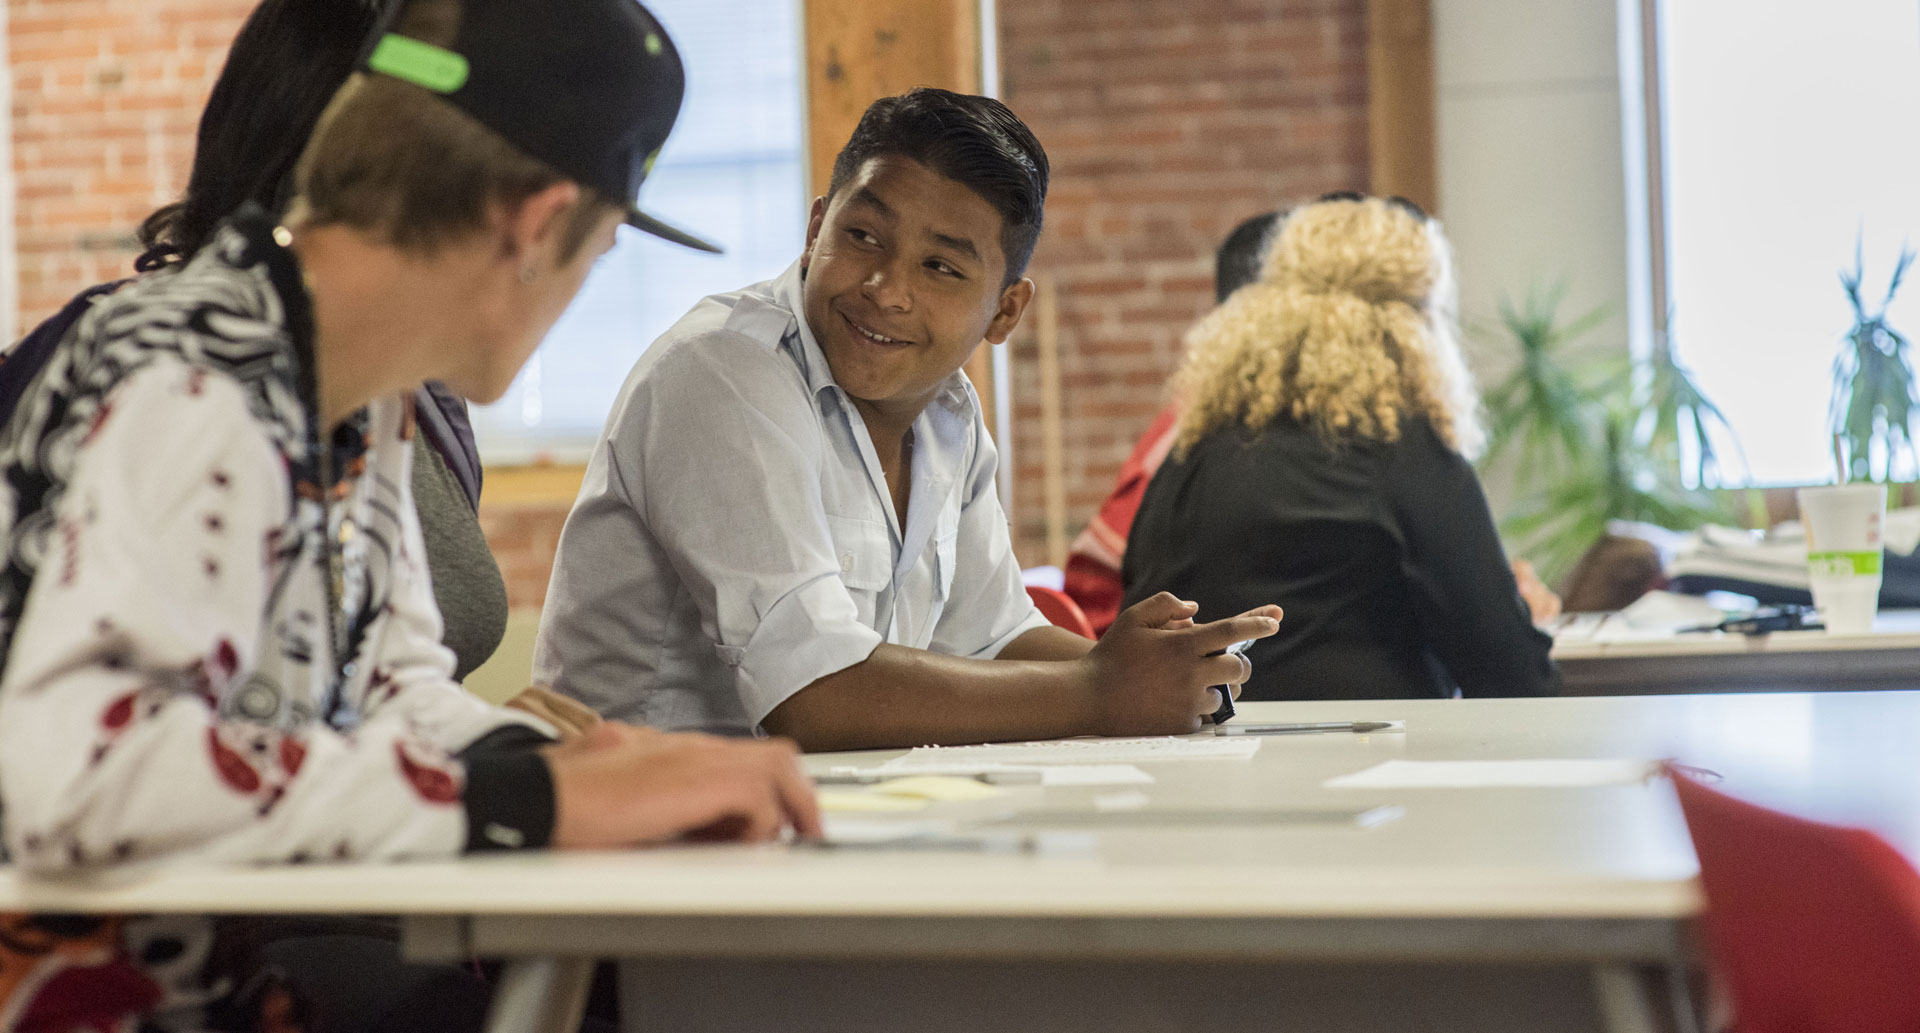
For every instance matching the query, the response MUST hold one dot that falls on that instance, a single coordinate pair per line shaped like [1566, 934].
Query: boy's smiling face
[905, 276]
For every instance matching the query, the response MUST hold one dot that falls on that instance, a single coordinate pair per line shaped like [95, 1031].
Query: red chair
[1814, 928]
[1059, 607]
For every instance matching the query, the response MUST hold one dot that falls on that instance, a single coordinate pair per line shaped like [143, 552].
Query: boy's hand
[1151, 673]
[620, 786]
[1542, 604]
[570, 717]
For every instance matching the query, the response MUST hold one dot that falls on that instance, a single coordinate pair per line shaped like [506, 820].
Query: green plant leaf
[1873, 399]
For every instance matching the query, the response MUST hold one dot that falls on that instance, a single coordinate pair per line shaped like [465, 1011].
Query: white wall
[1529, 138]
[1530, 164]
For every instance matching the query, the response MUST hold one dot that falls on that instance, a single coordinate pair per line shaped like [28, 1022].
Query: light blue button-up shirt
[734, 540]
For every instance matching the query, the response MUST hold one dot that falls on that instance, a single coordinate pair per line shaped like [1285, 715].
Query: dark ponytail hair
[289, 59]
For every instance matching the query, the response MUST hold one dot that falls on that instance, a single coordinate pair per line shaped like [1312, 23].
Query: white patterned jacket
[174, 686]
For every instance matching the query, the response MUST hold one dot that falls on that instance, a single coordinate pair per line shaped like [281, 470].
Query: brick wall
[1167, 122]
[106, 96]
[523, 536]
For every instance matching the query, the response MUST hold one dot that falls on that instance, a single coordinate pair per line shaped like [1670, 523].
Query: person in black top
[1321, 463]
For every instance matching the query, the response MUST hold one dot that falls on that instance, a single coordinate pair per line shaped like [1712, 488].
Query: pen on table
[991, 844]
[1308, 727]
[866, 778]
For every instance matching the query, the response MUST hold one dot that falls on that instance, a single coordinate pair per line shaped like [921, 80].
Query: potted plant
[1541, 411]
[1873, 387]
[1620, 478]
[1596, 439]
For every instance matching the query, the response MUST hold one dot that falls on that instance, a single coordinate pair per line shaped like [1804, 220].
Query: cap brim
[642, 221]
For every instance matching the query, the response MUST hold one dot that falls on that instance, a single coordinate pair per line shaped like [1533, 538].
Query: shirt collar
[787, 294]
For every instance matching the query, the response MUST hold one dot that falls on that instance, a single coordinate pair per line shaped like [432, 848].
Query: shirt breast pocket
[865, 555]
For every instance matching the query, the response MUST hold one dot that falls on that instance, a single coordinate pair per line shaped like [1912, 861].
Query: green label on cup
[421, 64]
[1865, 563]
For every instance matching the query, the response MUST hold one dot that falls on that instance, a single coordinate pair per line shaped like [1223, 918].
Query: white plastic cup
[1845, 552]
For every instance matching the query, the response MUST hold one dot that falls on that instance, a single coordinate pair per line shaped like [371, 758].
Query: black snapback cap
[591, 87]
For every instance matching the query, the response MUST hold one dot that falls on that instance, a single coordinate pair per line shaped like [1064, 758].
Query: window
[733, 172]
[1789, 133]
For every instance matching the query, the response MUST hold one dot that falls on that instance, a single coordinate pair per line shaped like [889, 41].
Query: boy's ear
[539, 219]
[816, 218]
[1013, 304]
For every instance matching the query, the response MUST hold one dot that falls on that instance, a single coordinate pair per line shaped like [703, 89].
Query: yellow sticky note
[945, 788]
[844, 800]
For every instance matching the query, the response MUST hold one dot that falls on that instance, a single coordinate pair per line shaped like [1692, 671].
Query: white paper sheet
[858, 801]
[861, 828]
[1490, 774]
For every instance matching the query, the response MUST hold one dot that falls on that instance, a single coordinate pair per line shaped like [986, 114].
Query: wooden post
[1046, 304]
[1400, 115]
[861, 50]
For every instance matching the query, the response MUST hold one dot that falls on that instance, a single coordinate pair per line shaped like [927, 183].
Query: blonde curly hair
[1349, 329]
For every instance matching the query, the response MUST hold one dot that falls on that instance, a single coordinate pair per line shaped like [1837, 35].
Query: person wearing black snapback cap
[223, 647]
[790, 524]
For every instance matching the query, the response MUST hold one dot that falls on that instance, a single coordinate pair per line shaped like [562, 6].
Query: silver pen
[866, 778]
[1306, 728]
[996, 843]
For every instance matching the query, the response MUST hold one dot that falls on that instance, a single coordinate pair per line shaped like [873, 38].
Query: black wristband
[509, 794]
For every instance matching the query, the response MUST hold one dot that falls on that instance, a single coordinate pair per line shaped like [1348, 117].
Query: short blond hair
[393, 160]
[1349, 329]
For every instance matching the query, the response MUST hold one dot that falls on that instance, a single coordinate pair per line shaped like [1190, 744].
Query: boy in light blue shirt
[790, 523]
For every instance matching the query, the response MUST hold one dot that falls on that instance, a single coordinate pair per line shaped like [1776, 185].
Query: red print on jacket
[434, 784]
[99, 420]
[119, 713]
[234, 770]
[224, 663]
[70, 548]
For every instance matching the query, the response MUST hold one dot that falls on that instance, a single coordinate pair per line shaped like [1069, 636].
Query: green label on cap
[421, 64]
[1865, 563]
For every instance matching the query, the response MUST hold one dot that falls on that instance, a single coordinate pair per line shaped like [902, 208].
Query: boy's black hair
[974, 141]
[1238, 261]
[286, 64]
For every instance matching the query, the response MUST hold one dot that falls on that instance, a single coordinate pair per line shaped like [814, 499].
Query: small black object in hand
[1225, 713]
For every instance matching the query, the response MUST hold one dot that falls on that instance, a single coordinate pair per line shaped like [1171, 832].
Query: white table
[1603, 658]
[1487, 910]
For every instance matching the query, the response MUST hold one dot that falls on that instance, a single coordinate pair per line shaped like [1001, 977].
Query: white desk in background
[1484, 910]
[1602, 655]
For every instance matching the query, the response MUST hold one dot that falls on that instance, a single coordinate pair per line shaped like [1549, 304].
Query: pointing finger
[1210, 638]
